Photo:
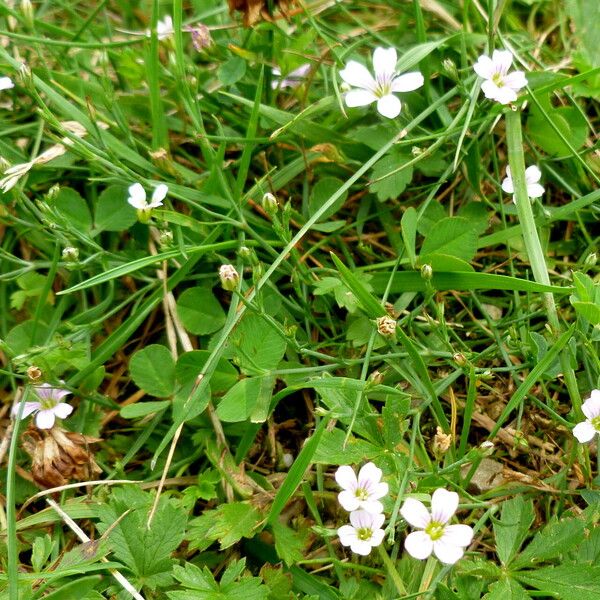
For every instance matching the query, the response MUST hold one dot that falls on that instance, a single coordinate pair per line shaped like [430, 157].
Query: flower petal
[30, 407]
[45, 419]
[373, 507]
[378, 491]
[515, 80]
[447, 552]
[591, 407]
[377, 537]
[389, 106]
[533, 174]
[505, 95]
[137, 196]
[348, 500]
[361, 518]
[369, 475]
[443, 505]
[384, 62]
[362, 547]
[159, 195]
[459, 535]
[507, 185]
[584, 432]
[359, 98]
[358, 75]
[407, 82]
[595, 395]
[502, 60]
[63, 410]
[484, 67]
[414, 512]
[490, 89]
[6, 83]
[535, 190]
[418, 544]
[346, 478]
[347, 534]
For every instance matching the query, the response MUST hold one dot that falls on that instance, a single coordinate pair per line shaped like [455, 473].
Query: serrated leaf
[506, 589]
[289, 544]
[234, 521]
[512, 528]
[567, 582]
[199, 311]
[153, 370]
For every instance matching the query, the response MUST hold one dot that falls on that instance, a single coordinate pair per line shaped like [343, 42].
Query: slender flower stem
[514, 139]
[392, 572]
[428, 574]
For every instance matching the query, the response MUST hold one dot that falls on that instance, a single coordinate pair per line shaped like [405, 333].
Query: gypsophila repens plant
[299, 300]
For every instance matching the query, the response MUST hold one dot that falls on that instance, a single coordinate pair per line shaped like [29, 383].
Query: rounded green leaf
[113, 212]
[321, 192]
[153, 370]
[200, 312]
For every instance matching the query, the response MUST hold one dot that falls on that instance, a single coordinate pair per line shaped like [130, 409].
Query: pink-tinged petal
[414, 512]
[45, 419]
[377, 520]
[419, 545]
[384, 62]
[458, 535]
[372, 506]
[63, 410]
[358, 75]
[489, 89]
[595, 395]
[159, 195]
[389, 106]
[377, 537]
[591, 407]
[361, 518]
[533, 174]
[43, 391]
[348, 500]
[346, 478]
[447, 553]
[362, 547]
[29, 408]
[502, 60]
[535, 190]
[515, 80]
[6, 83]
[584, 432]
[505, 95]
[355, 98]
[507, 185]
[408, 82]
[484, 67]
[369, 474]
[378, 491]
[347, 534]
[443, 505]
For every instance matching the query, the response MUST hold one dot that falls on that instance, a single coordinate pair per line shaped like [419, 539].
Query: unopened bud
[34, 373]
[460, 359]
[591, 260]
[201, 38]
[229, 277]
[27, 10]
[270, 204]
[426, 272]
[165, 238]
[487, 447]
[386, 326]
[450, 68]
[70, 254]
[53, 192]
[24, 73]
[287, 459]
[376, 377]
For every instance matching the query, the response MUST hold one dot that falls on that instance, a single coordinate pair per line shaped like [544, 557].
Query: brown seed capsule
[386, 326]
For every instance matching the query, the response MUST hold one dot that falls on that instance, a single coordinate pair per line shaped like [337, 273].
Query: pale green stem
[516, 159]
[428, 574]
[392, 572]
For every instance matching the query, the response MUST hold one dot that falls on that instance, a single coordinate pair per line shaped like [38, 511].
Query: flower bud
[28, 14]
[270, 204]
[460, 359]
[229, 277]
[34, 373]
[386, 326]
[70, 254]
[53, 192]
[591, 260]
[426, 272]
[487, 447]
[450, 68]
[165, 238]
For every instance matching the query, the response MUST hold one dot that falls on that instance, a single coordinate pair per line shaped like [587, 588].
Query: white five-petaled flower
[586, 430]
[164, 28]
[6, 83]
[532, 178]
[363, 533]
[362, 492]
[499, 84]
[292, 80]
[447, 542]
[48, 407]
[137, 196]
[382, 87]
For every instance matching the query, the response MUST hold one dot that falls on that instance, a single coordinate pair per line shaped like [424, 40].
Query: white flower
[362, 492]
[292, 80]
[532, 177]
[164, 28]
[6, 83]
[363, 533]
[381, 88]
[586, 430]
[447, 542]
[229, 277]
[48, 407]
[499, 84]
[137, 196]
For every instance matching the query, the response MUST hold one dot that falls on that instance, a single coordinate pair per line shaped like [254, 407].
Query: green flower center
[361, 494]
[435, 530]
[47, 403]
[596, 423]
[498, 79]
[364, 533]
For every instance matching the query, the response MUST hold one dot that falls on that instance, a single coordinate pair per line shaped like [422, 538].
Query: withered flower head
[254, 10]
[59, 456]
